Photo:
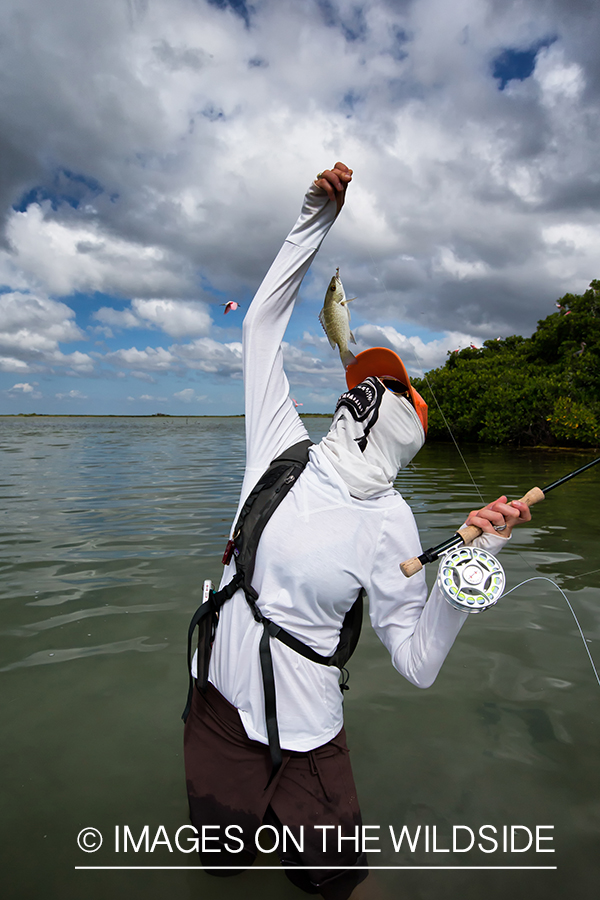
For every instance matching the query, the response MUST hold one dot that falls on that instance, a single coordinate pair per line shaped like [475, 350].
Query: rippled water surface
[109, 527]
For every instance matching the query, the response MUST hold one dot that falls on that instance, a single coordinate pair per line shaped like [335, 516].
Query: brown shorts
[227, 783]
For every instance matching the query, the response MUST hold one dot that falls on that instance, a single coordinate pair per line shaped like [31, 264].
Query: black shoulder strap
[258, 508]
[261, 503]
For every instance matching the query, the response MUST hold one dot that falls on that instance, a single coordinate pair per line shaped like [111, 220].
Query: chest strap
[261, 503]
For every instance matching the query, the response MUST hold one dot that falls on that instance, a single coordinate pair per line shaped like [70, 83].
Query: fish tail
[347, 357]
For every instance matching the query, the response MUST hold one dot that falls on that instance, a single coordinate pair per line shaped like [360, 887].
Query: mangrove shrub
[544, 389]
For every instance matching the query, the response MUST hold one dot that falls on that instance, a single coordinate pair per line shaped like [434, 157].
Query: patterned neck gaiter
[374, 433]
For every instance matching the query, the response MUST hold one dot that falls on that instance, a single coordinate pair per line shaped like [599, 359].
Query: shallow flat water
[108, 528]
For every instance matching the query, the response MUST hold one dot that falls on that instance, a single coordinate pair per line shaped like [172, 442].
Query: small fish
[231, 305]
[335, 319]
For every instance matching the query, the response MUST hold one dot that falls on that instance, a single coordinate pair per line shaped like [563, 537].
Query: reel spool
[471, 579]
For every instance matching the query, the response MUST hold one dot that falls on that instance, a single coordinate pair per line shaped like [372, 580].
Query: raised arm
[272, 423]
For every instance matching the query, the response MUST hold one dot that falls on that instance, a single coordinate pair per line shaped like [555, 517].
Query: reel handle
[469, 533]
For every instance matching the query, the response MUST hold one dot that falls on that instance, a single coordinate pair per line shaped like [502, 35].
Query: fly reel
[471, 579]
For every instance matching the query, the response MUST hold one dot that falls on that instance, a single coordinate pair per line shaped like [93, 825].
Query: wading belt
[260, 505]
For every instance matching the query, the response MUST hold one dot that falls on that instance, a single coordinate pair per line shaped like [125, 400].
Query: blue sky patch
[353, 25]
[398, 47]
[238, 6]
[67, 187]
[517, 65]
[349, 102]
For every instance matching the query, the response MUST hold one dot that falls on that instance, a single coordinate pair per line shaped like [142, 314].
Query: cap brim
[381, 361]
[376, 361]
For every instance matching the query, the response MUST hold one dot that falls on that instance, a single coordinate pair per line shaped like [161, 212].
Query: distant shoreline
[132, 416]
[553, 448]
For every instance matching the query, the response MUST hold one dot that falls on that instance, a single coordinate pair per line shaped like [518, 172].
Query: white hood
[374, 433]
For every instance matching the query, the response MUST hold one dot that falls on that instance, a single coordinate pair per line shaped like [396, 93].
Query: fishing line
[583, 638]
[449, 429]
[421, 365]
[472, 581]
[593, 572]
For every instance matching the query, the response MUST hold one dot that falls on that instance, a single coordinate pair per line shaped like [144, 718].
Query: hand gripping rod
[469, 532]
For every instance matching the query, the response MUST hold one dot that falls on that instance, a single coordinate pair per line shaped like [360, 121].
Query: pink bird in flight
[230, 305]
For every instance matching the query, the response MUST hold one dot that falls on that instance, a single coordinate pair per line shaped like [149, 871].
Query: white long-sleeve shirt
[321, 546]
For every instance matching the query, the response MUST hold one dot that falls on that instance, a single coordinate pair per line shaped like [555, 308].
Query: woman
[341, 529]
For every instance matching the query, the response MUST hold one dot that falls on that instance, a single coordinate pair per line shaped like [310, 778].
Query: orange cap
[380, 361]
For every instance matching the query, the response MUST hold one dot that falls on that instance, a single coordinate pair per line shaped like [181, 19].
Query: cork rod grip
[469, 533]
[411, 566]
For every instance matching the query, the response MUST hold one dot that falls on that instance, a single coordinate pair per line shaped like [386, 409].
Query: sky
[155, 154]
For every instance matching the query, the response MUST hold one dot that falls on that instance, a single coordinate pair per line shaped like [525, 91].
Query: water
[109, 527]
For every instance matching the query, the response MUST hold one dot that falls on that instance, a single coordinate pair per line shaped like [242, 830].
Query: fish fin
[352, 338]
[347, 357]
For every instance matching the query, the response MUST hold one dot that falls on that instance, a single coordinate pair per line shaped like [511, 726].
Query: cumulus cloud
[210, 356]
[418, 355]
[175, 317]
[25, 314]
[156, 154]
[10, 364]
[313, 362]
[31, 328]
[570, 246]
[24, 389]
[188, 395]
[559, 79]
[202, 355]
[148, 398]
[151, 359]
[72, 395]
[66, 256]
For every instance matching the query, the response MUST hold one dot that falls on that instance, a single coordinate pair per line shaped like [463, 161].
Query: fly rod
[470, 532]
